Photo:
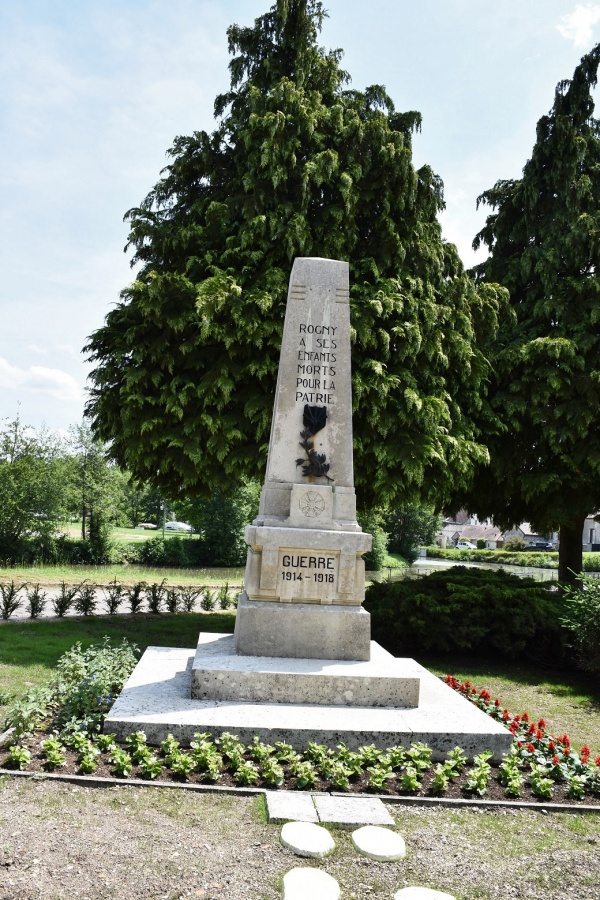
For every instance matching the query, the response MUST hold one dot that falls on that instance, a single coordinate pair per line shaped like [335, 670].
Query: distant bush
[464, 609]
[372, 523]
[515, 544]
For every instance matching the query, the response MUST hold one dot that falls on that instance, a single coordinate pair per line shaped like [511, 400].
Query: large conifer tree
[543, 430]
[299, 165]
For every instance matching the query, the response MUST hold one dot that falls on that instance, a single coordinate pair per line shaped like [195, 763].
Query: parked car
[178, 526]
[545, 546]
[465, 545]
[148, 525]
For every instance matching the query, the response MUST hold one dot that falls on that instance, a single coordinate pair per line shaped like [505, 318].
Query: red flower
[567, 751]
[496, 702]
[541, 723]
[531, 729]
[530, 748]
[564, 739]
[517, 719]
[506, 715]
[539, 735]
[555, 760]
[525, 717]
[585, 750]
[597, 761]
[519, 744]
[552, 746]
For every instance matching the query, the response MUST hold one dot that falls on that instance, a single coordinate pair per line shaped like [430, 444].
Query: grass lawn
[569, 701]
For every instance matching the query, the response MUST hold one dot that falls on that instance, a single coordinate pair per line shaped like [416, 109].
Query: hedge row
[84, 598]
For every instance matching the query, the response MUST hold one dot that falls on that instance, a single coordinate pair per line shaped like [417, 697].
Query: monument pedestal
[302, 630]
[158, 700]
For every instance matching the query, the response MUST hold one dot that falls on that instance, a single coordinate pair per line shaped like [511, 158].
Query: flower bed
[58, 728]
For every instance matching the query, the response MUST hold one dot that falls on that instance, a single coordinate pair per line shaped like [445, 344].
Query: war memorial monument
[301, 665]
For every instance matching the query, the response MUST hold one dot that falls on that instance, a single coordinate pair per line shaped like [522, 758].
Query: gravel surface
[60, 841]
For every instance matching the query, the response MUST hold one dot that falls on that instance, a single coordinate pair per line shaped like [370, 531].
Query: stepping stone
[421, 893]
[379, 843]
[351, 811]
[298, 884]
[306, 839]
[290, 806]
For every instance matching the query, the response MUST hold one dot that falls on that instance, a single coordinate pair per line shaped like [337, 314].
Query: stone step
[218, 673]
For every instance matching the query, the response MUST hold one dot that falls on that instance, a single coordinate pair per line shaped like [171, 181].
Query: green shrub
[464, 609]
[372, 523]
[581, 620]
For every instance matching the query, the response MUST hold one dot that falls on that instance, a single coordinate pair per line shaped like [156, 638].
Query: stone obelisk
[304, 582]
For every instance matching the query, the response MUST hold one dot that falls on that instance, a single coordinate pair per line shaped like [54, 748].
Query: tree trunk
[570, 551]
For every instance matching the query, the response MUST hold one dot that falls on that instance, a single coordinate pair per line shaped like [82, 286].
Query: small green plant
[181, 764]
[134, 596]
[188, 596]
[85, 602]
[339, 777]
[36, 601]
[304, 773]
[258, 751]
[18, 757]
[75, 740]
[576, 787]
[88, 760]
[395, 757]
[419, 755]
[172, 599]
[113, 596]
[409, 780]
[150, 766]
[369, 755]
[62, 603]
[541, 785]
[105, 742]
[272, 772]
[53, 752]
[441, 778]
[121, 762]
[169, 745]
[379, 776]
[457, 760]
[207, 599]
[138, 748]
[223, 596]
[246, 773]
[510, 775]
[284, 753]
[155, 594]
[479, 776]
[10, 601]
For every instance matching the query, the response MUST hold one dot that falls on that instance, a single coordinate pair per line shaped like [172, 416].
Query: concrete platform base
[157, 698]
[218, 673]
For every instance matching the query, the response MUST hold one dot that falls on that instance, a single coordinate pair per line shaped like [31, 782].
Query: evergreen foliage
[299, 165]
[410, 527]
[462, 609]
[543, 417]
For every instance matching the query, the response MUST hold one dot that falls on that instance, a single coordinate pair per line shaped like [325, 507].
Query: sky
[93, 93]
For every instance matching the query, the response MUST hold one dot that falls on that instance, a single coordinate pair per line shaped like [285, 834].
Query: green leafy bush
[372, 523]
[82, 690]
[464, 609]
[581, 620]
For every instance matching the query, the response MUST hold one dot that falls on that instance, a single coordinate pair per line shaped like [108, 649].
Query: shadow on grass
[42, 642]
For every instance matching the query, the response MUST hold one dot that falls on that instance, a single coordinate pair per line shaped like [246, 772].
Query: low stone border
[92, 781]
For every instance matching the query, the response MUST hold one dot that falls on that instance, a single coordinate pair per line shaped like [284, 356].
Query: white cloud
[40, 380]
[578, 26]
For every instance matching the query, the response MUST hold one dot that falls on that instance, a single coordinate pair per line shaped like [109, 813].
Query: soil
[60, 841]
